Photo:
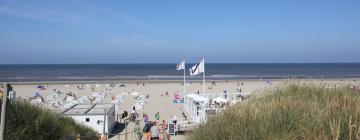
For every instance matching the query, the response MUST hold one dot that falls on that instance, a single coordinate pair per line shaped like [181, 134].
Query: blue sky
[154, 31]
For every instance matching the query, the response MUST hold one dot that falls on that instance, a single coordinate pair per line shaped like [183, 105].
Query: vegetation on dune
[296, 111]
[25, 121]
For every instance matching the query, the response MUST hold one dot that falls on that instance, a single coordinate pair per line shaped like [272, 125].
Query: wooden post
[126, 135]
[3, 112]
[104, 125]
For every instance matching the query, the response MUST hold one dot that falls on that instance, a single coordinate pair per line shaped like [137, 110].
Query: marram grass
[27, 122]
[295, 111]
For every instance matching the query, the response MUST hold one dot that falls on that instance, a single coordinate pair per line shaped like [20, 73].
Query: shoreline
[164, 81]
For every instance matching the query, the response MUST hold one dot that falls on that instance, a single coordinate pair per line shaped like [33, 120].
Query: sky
[167, 31]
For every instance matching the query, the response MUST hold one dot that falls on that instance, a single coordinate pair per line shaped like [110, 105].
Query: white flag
[198, 68]
[181, 66]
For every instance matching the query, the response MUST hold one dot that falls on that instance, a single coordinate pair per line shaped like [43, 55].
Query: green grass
[25, 121]
[295, 111]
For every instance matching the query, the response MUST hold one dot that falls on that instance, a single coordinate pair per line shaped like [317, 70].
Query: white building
[195, 107]
[93, 116]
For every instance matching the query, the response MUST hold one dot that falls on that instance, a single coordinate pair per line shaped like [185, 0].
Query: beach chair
[175, 101]
[182, 100]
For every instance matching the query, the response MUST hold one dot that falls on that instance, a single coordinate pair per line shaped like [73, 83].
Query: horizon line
[178, 62]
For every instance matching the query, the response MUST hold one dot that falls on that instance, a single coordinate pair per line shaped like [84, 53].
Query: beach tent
[220, 100]
[141, 97]
[95, 94]
[134, 93]
[37, 94]
[50, 97]
[69, 98]
[125, 93]
[41, 87]
[60, 102]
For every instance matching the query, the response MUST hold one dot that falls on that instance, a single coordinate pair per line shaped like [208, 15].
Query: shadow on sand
[118, 128]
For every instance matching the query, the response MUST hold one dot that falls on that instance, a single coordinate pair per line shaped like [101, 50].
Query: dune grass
[295, 111]
[25, 121]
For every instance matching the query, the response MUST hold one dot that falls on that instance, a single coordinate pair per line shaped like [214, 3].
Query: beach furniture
[41, 87]
[50, 97]
[182, 100]
[134, 93]
[220, 100]
[60, 102]
[69, 98]
[36, 100]
[95, 94]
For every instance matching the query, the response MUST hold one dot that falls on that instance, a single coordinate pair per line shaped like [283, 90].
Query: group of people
[152, 130]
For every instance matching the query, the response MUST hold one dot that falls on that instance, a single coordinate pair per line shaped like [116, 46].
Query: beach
[156, 91]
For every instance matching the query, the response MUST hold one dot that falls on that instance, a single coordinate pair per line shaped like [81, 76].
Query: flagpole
[184, 87]
[184, 77]
[204, 77]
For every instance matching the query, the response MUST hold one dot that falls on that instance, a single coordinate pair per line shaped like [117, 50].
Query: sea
[213, 71]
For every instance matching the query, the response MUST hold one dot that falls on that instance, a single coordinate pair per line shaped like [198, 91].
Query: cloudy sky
[166, 31]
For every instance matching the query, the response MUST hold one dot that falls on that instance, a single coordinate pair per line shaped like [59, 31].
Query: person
[124, 115]
[154, 131]
[174, 119]
[133, 114]
[146, 130]
[146, 118]
[157, 117]
[164, 125]
[137, 131]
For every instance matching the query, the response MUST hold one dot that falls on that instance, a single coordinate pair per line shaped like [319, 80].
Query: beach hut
[99, 117]
[195, 107]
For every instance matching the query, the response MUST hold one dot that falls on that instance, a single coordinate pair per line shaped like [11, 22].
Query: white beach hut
[99, 117]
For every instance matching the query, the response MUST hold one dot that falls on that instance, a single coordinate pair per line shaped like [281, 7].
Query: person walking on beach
[154, 131]
[146, 118]
[174, 119]
[146, 130]
[133, 114]
[137, 131]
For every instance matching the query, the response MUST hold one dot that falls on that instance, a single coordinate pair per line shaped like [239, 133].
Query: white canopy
[95, 94]
[220, 100]
[135, 93]
[198, 98]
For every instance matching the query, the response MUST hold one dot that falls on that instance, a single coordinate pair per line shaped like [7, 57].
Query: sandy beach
[156, 90]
